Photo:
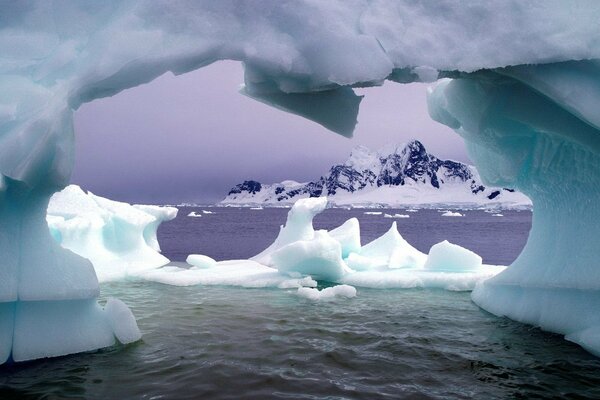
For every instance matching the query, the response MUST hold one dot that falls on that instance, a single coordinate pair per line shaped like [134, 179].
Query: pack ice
[524, 95]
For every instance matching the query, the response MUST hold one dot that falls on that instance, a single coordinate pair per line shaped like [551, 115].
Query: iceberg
[524, 96]
[319, 257]
[299, 255]
[118, 238]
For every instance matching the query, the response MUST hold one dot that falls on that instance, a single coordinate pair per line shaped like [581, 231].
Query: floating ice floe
[497, 215]
[118, 238]
[396, 216]
[194, 214]
[452, 214]
[372, 213]
[343, 291]
[256, 208]
[300, 254]
[207, 212]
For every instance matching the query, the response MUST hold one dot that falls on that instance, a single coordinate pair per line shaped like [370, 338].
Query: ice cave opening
[522, 91]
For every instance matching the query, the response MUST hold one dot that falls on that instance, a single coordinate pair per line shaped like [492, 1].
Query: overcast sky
[192, 137]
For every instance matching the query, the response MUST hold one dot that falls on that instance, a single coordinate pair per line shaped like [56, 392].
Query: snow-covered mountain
[401, 175]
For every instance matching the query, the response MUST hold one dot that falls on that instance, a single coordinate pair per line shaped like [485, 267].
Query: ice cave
[520, 82]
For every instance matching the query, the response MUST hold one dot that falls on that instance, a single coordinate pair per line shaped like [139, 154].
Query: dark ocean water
[232, 343]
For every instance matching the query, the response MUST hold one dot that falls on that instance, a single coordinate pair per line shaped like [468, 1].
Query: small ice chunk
[329, 293]
[446, 256]
[348, 236]
[372, 212]
[200, 261]
[320, 257]
[194, 214]
[122, 321]
[497, 215]
[452, 214]
[256, 208]
[207, 212]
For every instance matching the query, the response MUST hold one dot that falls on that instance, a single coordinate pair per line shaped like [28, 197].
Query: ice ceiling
[525, 95]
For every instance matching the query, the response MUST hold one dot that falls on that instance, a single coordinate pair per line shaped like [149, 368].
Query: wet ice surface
[225, 342]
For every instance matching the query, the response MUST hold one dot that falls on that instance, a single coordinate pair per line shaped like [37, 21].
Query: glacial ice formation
[118, 238]
[303, 254]
[524, 96]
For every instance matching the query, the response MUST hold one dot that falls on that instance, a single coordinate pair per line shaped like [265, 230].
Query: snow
[118, 238]
[452, 214]
[345, 291]
[529, 118]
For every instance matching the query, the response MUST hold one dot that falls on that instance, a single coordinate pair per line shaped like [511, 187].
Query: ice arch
[305, 57]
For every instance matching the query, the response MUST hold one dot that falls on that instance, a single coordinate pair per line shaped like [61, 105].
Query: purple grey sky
[192, 137]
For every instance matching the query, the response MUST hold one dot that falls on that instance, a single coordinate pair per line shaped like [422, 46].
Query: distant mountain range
[404, 175]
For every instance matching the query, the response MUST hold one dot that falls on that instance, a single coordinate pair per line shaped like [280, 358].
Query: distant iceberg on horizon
[395, 176]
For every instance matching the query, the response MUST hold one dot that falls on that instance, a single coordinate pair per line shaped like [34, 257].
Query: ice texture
[531, 128]
[446, 256]
[345, 291]
[297, 227]
[348, 236]
[388, 251]
[200, 261]
[387, 262]
[319, 257]
[525, 98]
[118, 238]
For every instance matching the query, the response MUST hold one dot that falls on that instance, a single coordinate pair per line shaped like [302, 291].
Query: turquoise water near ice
[226, 343]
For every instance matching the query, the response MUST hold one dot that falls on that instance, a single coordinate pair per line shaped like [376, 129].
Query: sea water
[223, 342]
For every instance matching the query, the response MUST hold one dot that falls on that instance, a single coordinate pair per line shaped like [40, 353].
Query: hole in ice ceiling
[192, 137]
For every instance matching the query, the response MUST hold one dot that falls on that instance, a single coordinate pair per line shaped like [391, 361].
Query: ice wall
[304, 57]
[535, 128]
